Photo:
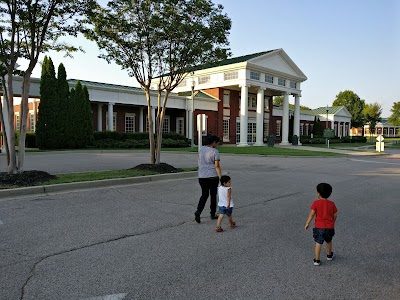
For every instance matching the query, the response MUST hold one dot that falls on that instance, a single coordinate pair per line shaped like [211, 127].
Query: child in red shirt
[326, 214]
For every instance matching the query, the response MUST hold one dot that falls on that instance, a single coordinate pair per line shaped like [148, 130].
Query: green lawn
[260, 151]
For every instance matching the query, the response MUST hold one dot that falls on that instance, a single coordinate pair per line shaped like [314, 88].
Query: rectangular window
[237, 132]
[307, 132]
[266, 103]
[278, 128]
[301, 129]
[293, 84]
[165, 128]
[180, 125]
[231, 75]
[225, 129]
[129, 122]
[281, 81]
[204, 79]
[31, 122]
[266, 130]
[16, 120]
[252, 102]
[114, 122]
[226, 98]
[254, 75]
[269, 79]
[251, 132]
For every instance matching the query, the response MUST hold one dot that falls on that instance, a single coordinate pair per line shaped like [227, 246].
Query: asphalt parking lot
[140, 241]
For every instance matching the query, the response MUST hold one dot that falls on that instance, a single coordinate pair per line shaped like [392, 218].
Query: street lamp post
[192, 117]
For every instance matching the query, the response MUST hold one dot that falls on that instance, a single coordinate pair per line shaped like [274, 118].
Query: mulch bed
[26, 178]
[161, 168]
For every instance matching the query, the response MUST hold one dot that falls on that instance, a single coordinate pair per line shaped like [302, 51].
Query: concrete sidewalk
[356, 152]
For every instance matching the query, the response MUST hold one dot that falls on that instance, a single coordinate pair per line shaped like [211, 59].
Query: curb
[62, 187]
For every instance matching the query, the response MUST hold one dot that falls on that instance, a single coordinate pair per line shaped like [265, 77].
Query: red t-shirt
[324, 210]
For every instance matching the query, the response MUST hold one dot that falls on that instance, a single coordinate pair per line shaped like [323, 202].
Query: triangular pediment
[278, 61]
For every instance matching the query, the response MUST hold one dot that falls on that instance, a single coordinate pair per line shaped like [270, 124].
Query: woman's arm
[218, 168]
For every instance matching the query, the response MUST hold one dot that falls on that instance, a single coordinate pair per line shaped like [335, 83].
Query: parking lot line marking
[375, 162]
[109, 297]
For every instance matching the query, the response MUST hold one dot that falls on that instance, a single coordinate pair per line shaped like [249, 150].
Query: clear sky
[339, 45]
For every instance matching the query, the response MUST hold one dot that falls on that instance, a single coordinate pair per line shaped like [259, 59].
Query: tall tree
[394, 118]
[160, 38]
[29, 28]
[353, 104]
[278, 100]
[47, 124]
[372, 113]
[63, 98]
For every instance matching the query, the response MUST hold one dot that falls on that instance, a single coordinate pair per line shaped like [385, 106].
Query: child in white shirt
[225, 202]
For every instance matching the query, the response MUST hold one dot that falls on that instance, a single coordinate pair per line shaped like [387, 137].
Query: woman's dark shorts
[323, 234]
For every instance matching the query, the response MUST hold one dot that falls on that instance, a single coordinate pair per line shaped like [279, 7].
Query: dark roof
[229, 61]
[105, 85]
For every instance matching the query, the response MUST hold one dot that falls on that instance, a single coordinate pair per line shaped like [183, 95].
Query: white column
[141, 117]
[187, 115]
[296, 121]
[285, 120]
[244, 115]
[7, 129]
[99, 117]
[260, 118]
[153, 116]
[110, 116]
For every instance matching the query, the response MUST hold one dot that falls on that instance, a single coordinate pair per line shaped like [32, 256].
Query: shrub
[30, 141]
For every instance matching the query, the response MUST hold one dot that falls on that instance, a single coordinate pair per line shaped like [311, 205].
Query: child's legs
[318, 251]
[230, 219]
[219, 221]
[329, 248]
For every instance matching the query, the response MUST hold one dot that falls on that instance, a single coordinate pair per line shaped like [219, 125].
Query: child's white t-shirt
[223, 196]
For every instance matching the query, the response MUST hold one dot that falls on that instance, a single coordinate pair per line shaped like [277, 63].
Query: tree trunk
[150, 120]
[160, 128]
[23, 120]
[4, 126]
[12, 166]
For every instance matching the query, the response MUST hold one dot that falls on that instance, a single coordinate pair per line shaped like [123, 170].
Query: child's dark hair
[211, 139]
[224, 179]
[324, 189]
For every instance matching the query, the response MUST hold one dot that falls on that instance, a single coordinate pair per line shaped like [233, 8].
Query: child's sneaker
[329, 257]
[218, 229]
[317, 262]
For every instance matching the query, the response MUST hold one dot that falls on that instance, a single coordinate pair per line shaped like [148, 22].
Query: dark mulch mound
[161, 168]
[26, 178]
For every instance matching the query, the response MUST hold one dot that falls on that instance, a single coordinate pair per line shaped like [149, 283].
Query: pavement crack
[41, 259]
[269, 200]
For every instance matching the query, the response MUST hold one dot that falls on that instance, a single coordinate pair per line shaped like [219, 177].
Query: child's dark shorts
[222, 210]
[323, 234]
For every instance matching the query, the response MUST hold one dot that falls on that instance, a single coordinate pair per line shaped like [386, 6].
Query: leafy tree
[28, 29]
[353, 104]
[47, 124]
[372, 113]
[163, 39]
[278, 101]
[317, 128]
[63, 98]
[79, 129]
[395, 116]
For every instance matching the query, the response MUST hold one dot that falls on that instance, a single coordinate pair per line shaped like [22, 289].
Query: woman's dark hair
[224, 179]
[324, 189]
[211, 139]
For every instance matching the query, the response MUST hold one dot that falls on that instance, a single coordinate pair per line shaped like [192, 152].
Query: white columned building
[244, 115]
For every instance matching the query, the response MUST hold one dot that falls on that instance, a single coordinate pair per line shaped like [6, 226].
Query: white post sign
[380, 145]
[201, 127]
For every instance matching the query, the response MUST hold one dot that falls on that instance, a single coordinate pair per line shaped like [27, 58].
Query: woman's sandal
[233, 225]
[219, 229]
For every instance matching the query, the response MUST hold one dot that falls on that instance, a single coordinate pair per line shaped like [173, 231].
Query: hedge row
[336, 140]
[138, 136]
